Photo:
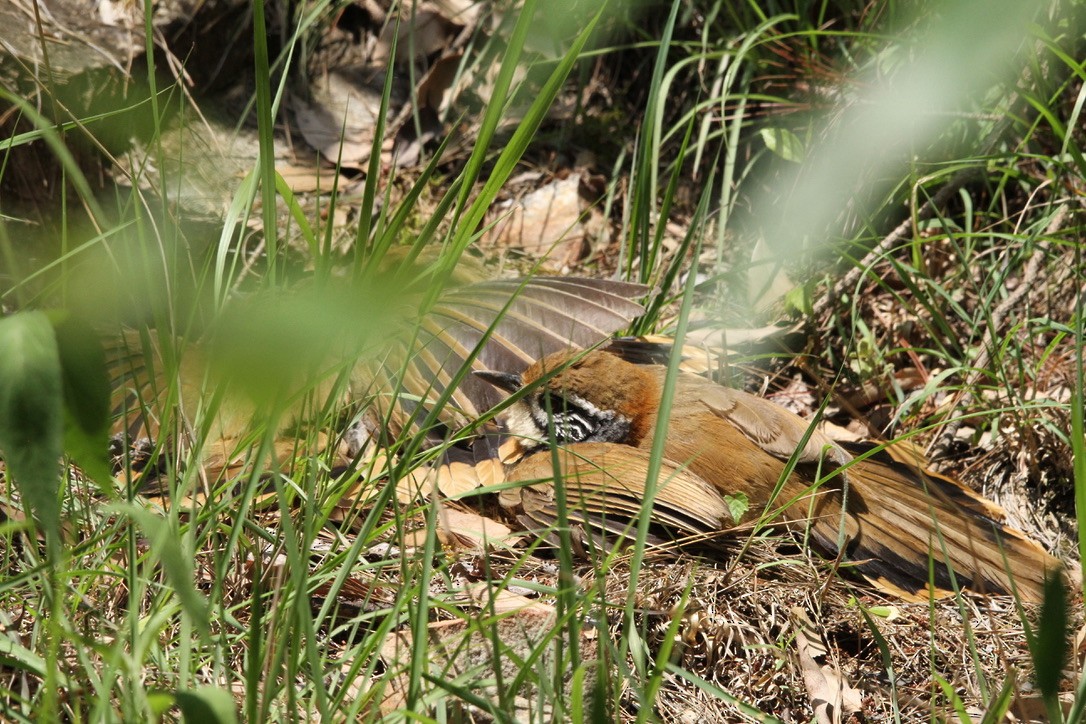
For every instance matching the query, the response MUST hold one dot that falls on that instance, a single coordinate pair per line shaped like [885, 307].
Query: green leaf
[1049, 648]
[784, 143]
[953, 698]
[275, 345]
[890, 613]
[207, 705]
[160, 702]
[32, 413]
[799, 300]
[998, 707]
[83, 370]
[15, 656]
[738, 505]
[86, 396]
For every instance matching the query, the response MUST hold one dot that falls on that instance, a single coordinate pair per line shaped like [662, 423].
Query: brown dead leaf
[500, 601]
[453, 480]
[456, 479]
[434, 87]
[409, 489]
[341, 117]
[450, 480]
[460, 12]
[311, 179]
[490, 472]
[423, 29]
[839, 433]
[510, 451]
[832, 698]
[471, 530]
[546, 224]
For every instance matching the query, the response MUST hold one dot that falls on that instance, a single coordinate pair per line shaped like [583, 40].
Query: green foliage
[32, 414]
[738, 505]
[206, 704]
[784, 143]
[86, 397]
[1049, 646]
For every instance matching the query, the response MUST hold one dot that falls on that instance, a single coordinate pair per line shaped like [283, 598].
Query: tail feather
[916, 527]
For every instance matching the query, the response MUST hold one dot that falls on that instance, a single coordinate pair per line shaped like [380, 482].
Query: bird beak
[501, 380]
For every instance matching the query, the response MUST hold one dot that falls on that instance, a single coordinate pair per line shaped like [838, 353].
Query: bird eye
[553, 401]
[561, 406]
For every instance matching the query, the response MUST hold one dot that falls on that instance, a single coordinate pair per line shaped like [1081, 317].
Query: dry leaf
[309, 179]
[457, 479]
[416, 486]
[544, 224]
[341, 118]
[838, 433]
[832, 698]
[461, 12]
[422, 30]
[433, 89]
[472, 530]
[485, 596]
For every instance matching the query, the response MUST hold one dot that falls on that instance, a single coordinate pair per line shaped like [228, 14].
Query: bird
[860, 504]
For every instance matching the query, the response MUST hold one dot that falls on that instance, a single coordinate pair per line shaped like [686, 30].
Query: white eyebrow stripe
[590, 408]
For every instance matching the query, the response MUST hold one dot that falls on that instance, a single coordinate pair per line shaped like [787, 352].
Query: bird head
[583, 397]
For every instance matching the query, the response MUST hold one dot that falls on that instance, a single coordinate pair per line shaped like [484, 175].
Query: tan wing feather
[897, 517]
[605, 478]
[527, 320]
[417, 367]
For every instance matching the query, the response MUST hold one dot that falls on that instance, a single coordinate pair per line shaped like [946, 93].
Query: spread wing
[898, 517]
[525, 320]
[909, 517]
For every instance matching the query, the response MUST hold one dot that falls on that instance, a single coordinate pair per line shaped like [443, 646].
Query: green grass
[233, 603]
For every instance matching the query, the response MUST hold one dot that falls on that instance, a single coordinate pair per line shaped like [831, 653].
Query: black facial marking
[574, 420]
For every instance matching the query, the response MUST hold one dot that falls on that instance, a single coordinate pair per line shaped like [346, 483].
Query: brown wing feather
[908, 517]
[773, 428]
[414, 370]
[527, 320]
[605, 480]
